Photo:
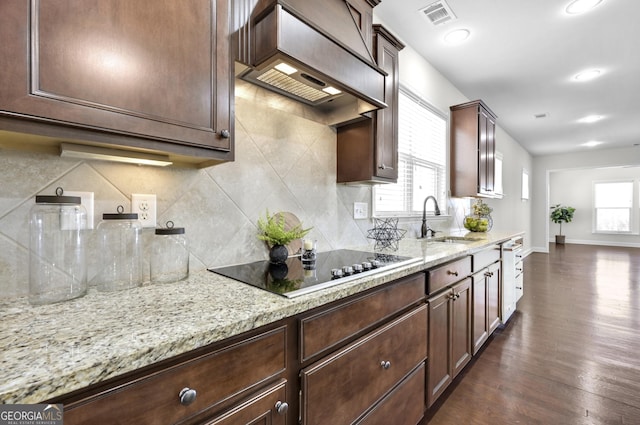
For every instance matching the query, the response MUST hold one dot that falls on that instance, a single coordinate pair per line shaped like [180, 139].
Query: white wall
[575, 188]
[510, 214]
[543, 169]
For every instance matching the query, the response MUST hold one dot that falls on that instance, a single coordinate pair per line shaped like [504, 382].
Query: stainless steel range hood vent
[287, 53]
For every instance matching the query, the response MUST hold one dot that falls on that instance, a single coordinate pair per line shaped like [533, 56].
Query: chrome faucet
[425, 228]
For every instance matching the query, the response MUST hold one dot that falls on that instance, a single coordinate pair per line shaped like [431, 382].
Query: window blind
[421, 159]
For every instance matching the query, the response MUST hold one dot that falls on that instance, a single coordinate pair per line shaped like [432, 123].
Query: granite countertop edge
[48, 351]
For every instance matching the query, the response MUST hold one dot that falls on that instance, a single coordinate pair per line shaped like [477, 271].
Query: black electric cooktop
[295, 278]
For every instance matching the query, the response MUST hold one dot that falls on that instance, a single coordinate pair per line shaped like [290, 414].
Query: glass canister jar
[57, 256]
[169, 255]
[120, 237]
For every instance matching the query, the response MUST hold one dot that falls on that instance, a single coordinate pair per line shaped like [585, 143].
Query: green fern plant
[272, 230]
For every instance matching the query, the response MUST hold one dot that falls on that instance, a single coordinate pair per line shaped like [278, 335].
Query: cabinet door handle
[385, 364]
[225, 134]
[452, 273]
[382, 167]
[518, 287]
[282, 407]
[187, 396]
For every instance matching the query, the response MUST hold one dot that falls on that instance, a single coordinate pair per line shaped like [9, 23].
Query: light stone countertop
[48, 351]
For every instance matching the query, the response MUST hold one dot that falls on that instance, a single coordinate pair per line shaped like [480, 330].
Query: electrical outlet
[360, 210]
[145, 206]
[87, 203]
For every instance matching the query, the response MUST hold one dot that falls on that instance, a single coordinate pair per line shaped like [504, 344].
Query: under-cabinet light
[70, 150]
[285, 68]
[331, 90]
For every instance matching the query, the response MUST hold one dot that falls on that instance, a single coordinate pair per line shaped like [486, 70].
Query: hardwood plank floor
[569, 355]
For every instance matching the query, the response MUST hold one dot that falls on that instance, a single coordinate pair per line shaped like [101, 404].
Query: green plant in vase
[559, 215]
[274, 232]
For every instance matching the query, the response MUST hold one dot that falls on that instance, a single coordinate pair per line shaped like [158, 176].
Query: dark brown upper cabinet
[368, 148]
[147, 75]
[473, 145]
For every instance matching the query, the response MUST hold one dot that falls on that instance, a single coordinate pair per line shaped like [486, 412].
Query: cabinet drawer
[408, 398]
[484, 258]
[328, 328]
[340, 388]
[258, 410]
[448, 274]
[216, 377]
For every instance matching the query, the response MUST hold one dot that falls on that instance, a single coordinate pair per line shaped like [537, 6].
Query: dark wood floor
[570, 354]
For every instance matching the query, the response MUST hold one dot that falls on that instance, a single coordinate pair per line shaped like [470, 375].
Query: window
[422, 133]
[525, 185]
[613, 206]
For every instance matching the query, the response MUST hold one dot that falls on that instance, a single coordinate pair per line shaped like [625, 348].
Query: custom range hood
[310, 51]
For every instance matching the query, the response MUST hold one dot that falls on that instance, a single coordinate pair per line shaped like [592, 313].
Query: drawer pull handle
[452, 273]
[519, 269]
[385, 364]
[187, 396]
[282, 407]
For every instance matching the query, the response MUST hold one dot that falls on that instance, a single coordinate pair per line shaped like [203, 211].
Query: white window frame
[633, 209]
[408, 211]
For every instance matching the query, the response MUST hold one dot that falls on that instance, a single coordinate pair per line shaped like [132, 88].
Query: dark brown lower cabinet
[346, 386]
[225, 378]
[449, 337]
[404, 404]
[266, 408]
[486, 304]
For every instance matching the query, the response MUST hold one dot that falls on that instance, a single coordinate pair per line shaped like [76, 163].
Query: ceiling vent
[438, 13]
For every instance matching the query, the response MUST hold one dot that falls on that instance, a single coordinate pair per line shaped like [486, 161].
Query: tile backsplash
[285, 161]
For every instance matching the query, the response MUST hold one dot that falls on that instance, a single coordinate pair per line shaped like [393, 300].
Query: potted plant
[559, 215]
[274, 232]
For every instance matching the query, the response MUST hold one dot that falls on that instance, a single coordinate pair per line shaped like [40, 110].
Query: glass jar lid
[170, 229]
[120, 215]
[58, 198]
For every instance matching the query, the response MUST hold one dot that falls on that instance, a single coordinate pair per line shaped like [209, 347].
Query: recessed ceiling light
[591, 143]
[587, 75]
[457, 36]
[581, 6]
[590, 118]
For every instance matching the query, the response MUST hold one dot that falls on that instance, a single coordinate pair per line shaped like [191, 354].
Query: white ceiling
[521, 57]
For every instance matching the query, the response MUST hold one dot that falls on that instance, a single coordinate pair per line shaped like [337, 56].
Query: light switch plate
[87, 203]
[360, 210]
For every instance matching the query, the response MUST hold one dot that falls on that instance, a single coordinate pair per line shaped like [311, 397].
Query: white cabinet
[512, 277]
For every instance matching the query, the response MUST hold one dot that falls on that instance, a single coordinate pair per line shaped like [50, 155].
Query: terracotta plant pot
[560, 239]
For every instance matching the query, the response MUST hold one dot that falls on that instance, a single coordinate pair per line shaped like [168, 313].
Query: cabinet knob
[225, 134]
[385, 364]
[187, 396]
[382, 167]
[518, 287]
[282, 407]
[452, 273]
[488, 274]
